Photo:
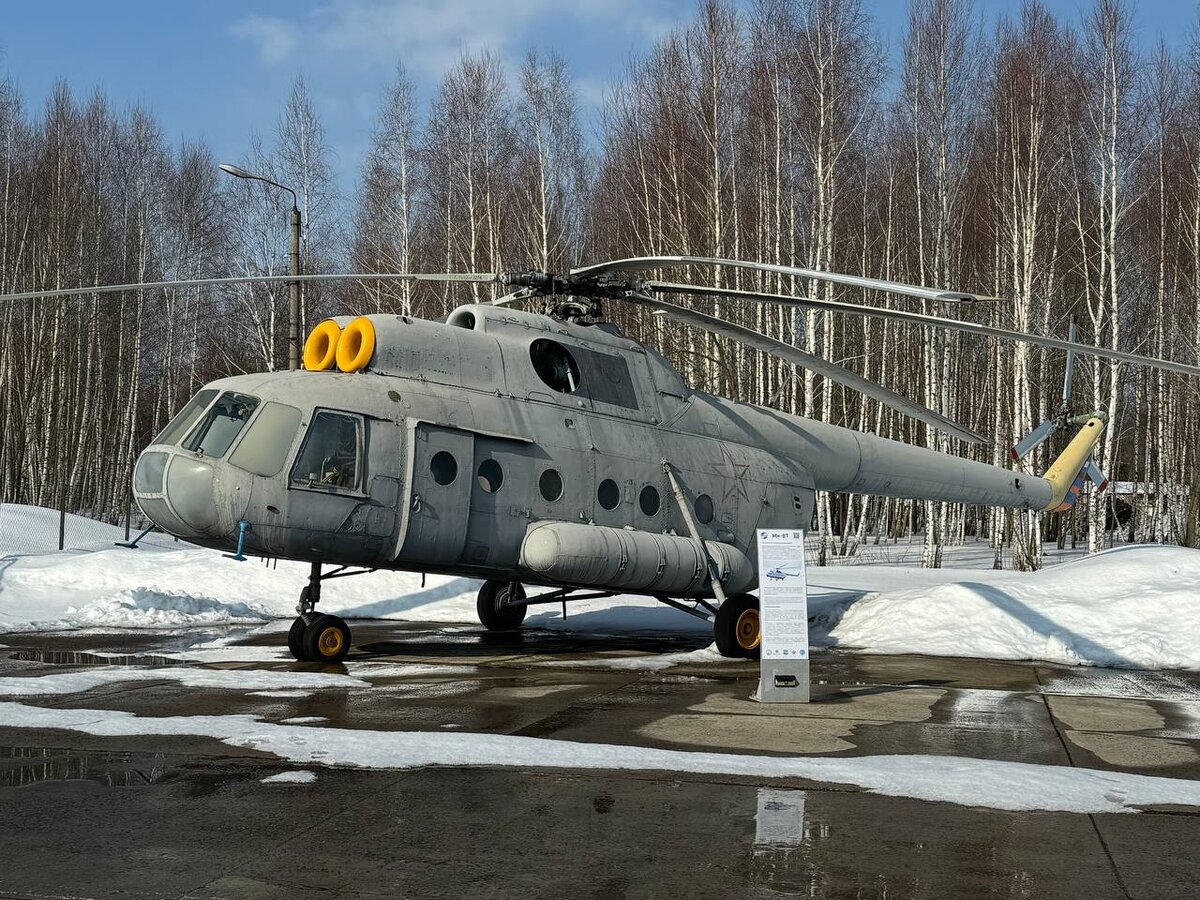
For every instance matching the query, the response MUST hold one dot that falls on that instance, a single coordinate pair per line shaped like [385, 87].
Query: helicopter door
[441, 476]
[502, 484]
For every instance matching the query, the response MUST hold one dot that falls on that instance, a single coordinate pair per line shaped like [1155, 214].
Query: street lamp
[293, 262]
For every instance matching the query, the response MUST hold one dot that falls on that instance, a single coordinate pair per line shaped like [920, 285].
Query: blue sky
[217, 70]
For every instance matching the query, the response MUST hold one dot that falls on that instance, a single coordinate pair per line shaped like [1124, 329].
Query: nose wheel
[315, 637]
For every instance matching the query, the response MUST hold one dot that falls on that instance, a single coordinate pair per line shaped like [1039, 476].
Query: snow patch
[296, 776]
[221, 679]
[1010, 786]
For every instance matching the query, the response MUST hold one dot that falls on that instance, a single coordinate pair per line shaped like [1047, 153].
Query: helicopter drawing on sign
[779, 573]
[547, 450]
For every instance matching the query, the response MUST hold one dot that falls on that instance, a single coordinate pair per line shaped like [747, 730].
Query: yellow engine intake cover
[356, 345]
[320, 350]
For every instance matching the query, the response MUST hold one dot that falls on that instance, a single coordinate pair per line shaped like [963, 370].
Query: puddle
[21, 766]
[83, 658]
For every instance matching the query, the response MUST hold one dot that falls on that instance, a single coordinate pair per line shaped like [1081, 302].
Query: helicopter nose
[190, 492]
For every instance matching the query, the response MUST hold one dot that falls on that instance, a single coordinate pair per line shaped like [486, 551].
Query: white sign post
[783, 607]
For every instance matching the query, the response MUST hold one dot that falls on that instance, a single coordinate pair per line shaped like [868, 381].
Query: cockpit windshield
[330, 455]
[221, 424]
[186, 417]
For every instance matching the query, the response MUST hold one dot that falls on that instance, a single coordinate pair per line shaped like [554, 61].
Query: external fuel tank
[627, 559]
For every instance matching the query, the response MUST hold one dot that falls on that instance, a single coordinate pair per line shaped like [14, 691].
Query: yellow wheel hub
[748, 629]
[330, 641]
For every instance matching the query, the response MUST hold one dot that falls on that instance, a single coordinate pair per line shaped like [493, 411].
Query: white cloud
[275, 39]
[430, 36]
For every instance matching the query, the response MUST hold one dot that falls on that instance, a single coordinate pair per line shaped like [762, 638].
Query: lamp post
[293, 262]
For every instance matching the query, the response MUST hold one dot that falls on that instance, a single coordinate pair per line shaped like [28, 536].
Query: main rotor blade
[644, 263]
[975, 328]
[475, 277]
[798, 357]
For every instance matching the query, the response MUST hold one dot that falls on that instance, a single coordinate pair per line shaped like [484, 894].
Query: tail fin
[1070, 468]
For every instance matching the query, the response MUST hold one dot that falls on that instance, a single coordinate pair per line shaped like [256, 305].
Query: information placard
[783, 594]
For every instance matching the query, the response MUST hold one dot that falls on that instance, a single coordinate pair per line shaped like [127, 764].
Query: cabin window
[221, 425]
[330, 456]
[186, 417]
[704, 509]
[649, 500]
[608, 494]
[606, 376]
[268, 440]
[490, 476]
[554, 365]
[551, 485]
[443, 467]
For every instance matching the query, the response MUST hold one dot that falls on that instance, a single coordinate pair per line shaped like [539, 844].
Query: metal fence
[30, 530]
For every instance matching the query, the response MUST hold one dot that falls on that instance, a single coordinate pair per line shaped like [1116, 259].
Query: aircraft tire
[737, 628]
[326, 640]
[494, 610]
[296, 639]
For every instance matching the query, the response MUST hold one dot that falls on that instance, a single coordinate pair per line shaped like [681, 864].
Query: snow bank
[1132, 607]
[969, 782]
[184, 586]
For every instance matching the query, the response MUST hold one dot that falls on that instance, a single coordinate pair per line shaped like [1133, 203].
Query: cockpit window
[186, 417]
[330, 457]
[221, 424]
[266, 445]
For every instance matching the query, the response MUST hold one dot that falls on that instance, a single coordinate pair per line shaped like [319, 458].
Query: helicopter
[547, 451]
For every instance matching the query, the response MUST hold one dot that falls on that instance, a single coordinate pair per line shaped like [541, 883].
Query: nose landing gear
[315, 637]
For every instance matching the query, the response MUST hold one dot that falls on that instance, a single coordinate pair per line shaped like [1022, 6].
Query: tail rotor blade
[1066, 395]
[1098, 478]
[1026, 446]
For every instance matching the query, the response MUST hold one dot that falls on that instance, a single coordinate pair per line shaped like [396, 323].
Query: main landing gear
[315, 637]
[737, 627]
[496, 607]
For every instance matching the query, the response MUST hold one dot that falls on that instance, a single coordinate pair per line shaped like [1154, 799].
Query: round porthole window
[551, 485]
[491, 476]
[648, 500]
[554, 365]
[444, 467]
[608, 494]
[704, 509]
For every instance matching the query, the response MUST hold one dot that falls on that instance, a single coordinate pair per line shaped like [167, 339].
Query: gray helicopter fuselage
[462, 439]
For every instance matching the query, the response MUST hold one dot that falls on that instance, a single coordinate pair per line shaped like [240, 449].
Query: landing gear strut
[496, 607]
[315, 637]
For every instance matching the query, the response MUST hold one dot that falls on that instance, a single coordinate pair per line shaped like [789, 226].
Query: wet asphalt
[185, 816]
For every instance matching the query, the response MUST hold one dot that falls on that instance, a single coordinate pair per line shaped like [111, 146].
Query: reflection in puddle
[30, 765]
[779, 822]
[79, 658]
[779, 857]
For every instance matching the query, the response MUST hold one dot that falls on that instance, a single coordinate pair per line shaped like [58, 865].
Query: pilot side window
[330, 456]
[186, 417]
[266, 445]
[221, 425]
